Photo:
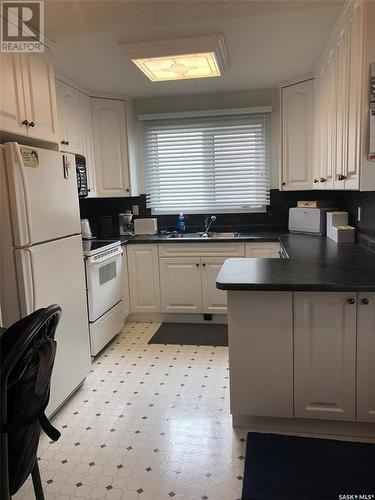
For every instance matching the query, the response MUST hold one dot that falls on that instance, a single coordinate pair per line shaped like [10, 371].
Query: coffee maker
[125, 224]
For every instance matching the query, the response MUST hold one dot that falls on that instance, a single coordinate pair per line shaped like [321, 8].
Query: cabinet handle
[204, 264]
[316, 180]
[32, 124]
[341, 177]
[351, 301]
[67, 143]
[365, 302]
[283, 183]
[25, 122]
[322, 179]
[197, 264]
[127, 190]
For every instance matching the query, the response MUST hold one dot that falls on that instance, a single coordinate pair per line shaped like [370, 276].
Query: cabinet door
[260, 326]
[262, 250]
[342, 55]
[88, 141]
[125, 273]
[111, 160]
[324, 355]
[40, 97]
[366, 358]
[323, 175]
[12, 105]
[214, 300]
[355, 81]
[297, 136]
[144, 282]
[70, 127]
[181, 285]
[331, 90]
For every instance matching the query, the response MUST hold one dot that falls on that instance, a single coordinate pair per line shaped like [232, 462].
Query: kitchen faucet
[207, 224]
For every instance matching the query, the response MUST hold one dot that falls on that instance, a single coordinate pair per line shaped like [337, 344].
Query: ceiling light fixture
[180, 58]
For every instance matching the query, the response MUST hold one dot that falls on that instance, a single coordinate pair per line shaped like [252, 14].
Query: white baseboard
[175, 318]
[303, 426]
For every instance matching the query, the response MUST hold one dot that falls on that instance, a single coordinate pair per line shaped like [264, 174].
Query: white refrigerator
[41, 260]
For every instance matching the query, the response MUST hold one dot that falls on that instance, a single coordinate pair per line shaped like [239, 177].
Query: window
[218, 163]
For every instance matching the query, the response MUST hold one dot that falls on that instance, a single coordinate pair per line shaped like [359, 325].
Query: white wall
[216, 101]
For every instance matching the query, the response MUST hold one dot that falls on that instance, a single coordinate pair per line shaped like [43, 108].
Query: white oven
[104, 280]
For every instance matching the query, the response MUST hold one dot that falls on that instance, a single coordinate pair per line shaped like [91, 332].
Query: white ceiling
[268, 41]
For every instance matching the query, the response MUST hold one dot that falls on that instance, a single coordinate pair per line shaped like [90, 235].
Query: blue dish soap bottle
[181, 223]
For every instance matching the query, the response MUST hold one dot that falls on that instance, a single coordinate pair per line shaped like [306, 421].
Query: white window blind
[216, 163]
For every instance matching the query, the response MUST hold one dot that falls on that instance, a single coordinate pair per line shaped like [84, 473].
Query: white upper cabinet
[28, 97]
[110, 145]
[325, 355]
[297, 135]
[341, 102]
[70, 126]
[12, 106]
[40, 97]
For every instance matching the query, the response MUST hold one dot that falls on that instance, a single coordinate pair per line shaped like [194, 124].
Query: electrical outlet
[359, 214]
[135, 210]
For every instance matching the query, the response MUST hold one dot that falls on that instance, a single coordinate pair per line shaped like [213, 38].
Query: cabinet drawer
[202, 249]
[268, 249]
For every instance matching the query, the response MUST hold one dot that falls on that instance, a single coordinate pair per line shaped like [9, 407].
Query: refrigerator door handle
[23, 200]
[28, 280]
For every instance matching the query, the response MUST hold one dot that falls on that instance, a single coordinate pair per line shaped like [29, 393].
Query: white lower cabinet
[214, 300]
[125, 273]
[261, 353]
[188, 285]
[307, 355]
[144, 283]
[268, 249]
[180, 285]
[325, 355]
[366, 358]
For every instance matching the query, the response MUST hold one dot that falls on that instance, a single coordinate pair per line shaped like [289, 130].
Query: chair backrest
[27, 353]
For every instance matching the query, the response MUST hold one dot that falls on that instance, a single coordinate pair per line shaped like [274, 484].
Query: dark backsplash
[102, 212]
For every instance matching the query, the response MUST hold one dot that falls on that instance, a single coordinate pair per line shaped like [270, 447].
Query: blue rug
[298, 468]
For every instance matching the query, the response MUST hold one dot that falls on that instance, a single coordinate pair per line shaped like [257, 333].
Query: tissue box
[336, 219]
[343, 234]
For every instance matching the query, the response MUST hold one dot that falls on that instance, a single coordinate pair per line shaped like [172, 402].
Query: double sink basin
[194, 236]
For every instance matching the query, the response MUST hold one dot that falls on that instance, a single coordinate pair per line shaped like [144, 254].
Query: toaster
[308, 220]
[145, 226]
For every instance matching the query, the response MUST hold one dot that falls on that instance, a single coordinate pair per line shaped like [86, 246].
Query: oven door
[104, 284]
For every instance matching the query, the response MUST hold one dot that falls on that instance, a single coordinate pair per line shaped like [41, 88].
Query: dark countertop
[315, 263]
[164, 238]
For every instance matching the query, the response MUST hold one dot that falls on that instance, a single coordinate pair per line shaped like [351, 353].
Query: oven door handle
[106, 259]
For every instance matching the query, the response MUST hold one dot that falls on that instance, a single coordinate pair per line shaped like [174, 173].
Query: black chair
[27, 353]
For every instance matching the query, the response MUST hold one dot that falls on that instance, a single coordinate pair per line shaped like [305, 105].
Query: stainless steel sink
[221, 235]
[194, 236]
[185, 236]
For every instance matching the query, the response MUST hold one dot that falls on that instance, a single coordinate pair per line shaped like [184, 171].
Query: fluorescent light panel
[181, 58]
[181, 67]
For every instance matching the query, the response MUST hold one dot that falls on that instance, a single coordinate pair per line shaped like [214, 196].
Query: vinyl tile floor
[149, 422]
